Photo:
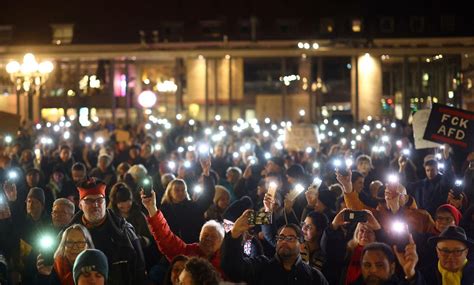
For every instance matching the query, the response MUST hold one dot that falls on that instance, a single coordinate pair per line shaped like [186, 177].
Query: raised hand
[247, 172]
[43, 269]
[456, 202]
[268, 202]
[338, 220]
[345, 181]
[241, 225]
[149, 203]
[10, 191]
[408, 259]
[205, 165]
[372, 221]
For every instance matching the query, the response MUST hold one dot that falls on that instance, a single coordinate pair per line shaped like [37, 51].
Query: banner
[450, 125]
[420, 120]
[299, 137]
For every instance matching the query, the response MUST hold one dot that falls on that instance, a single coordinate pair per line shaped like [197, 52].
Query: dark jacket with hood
[116, 238]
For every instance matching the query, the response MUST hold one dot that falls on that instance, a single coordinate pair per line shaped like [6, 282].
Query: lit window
[62, 33]
[356, 25]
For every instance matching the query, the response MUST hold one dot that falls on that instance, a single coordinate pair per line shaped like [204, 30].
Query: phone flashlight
[316, 165]
[187, 164]
[317, 182]
[299, 188]
[406, 152]
[458, 182]
[349, 162]
[197, 189]
[99, 140]
[88, 140]
[337, 163]
[172, 165]
[393, 178]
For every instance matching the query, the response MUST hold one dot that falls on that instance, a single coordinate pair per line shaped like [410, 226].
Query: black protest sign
[450, 125]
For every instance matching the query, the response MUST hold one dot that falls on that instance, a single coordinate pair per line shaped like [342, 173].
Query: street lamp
[28, 77]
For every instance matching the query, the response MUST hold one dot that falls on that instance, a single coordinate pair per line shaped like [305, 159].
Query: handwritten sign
[299, 137]
[420, 120]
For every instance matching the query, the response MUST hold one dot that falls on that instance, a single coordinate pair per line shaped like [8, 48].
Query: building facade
[340, 66]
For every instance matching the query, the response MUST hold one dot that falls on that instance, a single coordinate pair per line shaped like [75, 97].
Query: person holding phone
[74, 240]
[343, 246]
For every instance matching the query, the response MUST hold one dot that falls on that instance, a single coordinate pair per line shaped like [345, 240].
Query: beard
[374, 280]
[95, 216]
[285, 253]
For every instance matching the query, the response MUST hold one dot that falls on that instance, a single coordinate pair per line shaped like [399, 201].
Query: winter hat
[36, 193]
[220, 192]
[328, 198]
[90, 260]
[296, 171]
[452, 210]
[138, 172]
[237, 208]
[278, 161]
[91, 187]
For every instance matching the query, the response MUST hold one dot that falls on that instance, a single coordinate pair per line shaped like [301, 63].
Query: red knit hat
[451, 209]
[91, 187]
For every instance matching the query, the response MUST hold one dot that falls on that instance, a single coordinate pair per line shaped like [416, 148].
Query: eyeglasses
[286, 238]
[306, 227]
[455, 252]
[72, 244]
[99, 201]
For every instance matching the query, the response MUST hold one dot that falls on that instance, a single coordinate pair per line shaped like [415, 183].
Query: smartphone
[260, 218]
[458, 188]
[400, 235]
[355, 216]
[147, 186]
[47, 247]
[272, 188]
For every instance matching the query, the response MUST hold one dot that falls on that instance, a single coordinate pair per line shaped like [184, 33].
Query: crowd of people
[232, 202]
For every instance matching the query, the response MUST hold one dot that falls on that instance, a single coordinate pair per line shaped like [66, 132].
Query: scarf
[64, 270]
[354, 268]
[451, 278]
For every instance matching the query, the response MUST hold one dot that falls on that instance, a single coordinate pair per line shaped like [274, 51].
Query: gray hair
[216, 225]
[62, 243]
[65, 202]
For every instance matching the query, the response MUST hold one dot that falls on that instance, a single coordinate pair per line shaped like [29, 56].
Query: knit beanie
[328, 198]
[90, 260]
[237, 208]
[296, 171]
[452, 210]
[36, 193]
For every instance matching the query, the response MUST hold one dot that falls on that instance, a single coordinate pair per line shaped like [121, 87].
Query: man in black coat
[111, 234]
[286, 267]
[453, 266]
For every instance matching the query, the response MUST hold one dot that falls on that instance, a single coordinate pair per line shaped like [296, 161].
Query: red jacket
[171, 245]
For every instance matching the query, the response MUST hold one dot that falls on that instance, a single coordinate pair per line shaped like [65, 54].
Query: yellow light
[356, 26]
[13, 67]
[227, 56]
[45, 67]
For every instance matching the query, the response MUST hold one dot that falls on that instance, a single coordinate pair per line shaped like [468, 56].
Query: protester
[91, 268]
[74, 240]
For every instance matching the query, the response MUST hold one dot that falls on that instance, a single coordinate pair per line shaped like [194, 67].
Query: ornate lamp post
[28, 77]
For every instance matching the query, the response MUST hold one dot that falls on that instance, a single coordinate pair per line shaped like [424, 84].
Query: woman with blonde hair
[186, 216]
[344, 249]
[74, 240]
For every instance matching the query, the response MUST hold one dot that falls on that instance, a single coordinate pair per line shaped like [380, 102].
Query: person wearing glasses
[453, 267]
[111, 234]
[74, 240]
[286, 267]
